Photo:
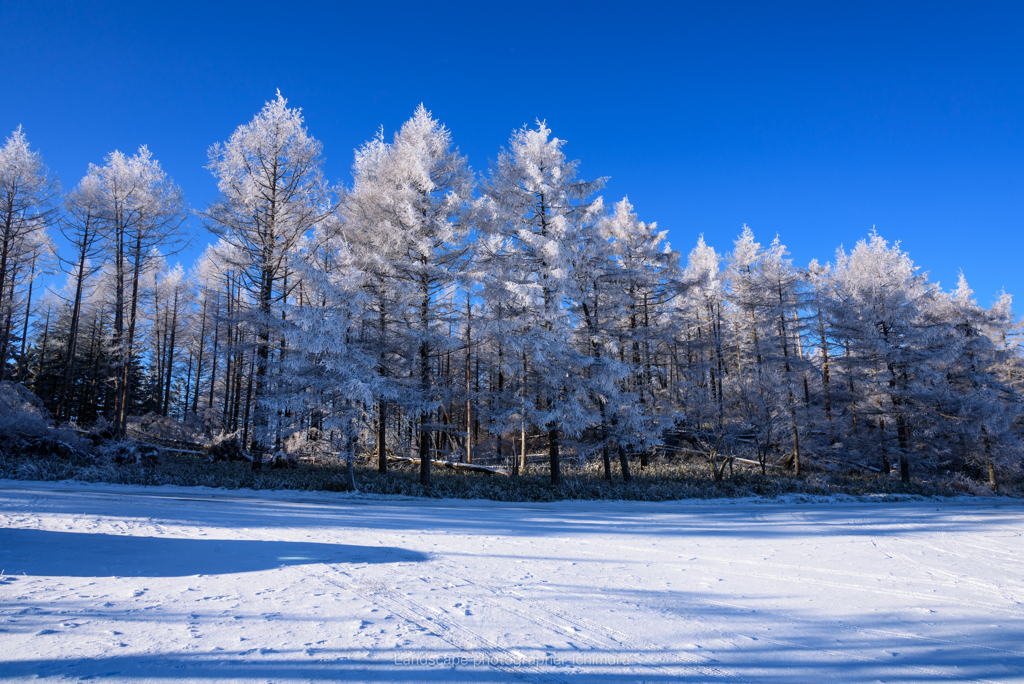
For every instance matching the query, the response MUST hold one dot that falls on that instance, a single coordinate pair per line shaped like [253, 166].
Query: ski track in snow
[168, 584]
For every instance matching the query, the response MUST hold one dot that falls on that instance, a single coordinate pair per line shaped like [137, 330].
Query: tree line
[426, 310]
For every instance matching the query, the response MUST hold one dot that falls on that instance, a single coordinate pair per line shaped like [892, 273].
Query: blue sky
[816, 121]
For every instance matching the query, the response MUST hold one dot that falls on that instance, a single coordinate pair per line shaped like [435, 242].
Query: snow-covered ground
[161, 584]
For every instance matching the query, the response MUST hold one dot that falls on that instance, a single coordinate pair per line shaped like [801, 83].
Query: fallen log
[455, 466]
[179, 451]
[752, 462]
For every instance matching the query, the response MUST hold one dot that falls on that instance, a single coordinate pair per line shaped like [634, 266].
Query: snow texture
[121, 583]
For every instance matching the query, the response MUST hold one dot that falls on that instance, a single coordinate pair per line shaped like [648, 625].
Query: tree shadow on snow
[72, 554]
[450, 665]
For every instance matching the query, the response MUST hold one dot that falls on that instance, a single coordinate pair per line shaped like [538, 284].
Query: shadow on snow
[71, 554]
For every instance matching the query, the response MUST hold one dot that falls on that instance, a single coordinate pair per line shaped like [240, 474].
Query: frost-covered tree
[761, 405]
[412, 313]
[639, 289]
[172, 297]
[975, 405]
[82, 227]
[334, 377]
[779, 284]
[28, 206]
[883, 317]
[537, 214]
[701, 321]
[142, 210]
[272, 192]
[407, 222]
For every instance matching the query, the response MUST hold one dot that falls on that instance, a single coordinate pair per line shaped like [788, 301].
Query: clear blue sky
[816, 121]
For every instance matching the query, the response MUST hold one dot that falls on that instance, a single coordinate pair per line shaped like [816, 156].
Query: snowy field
[168, 584]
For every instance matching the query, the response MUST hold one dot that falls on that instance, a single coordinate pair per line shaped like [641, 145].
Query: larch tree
[407, 222]
[272, 192]
[975, 401]
[29, 203]
[780, 282]
[143, 209]
[334, 377]
[639, 289]
[538, 210]
[82, 227]
[760, 404]
[885, 301]
[702, 322]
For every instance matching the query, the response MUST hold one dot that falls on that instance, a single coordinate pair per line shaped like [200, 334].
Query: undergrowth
[660, 481]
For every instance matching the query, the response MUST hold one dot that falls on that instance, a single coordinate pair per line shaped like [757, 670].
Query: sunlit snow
[157, 584]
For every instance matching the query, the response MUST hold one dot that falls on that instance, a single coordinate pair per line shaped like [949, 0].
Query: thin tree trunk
[522, 447]
[126, 389]
[789, 383]
[199, 356]
[424, 383]
[76, 313]
[350, 476]
[992, 482]
[382, 407]
[216, 339]
[469, 395]
[248, 404]
[22, 360]
[627, 476]
[382, 431]
[170, 354]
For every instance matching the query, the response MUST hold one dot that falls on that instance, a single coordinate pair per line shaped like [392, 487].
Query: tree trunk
[248, 403]
[350, 477]
[382, 431]
[170, 354]
[260, 421]
[22, 360]
[199, 357]
[424, 382]
[556, 468]
[627, 476]
[469, 377]
[76, 312]
[121, 423]
[903, 431]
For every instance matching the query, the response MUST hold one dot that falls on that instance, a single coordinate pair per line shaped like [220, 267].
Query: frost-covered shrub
[227, 447]
[154, 426]
[102, 431]
[311, 442]
[961, 482]
[283, 460]
[129, 452]
[21, 413]
[210, 422]
[25, 426]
